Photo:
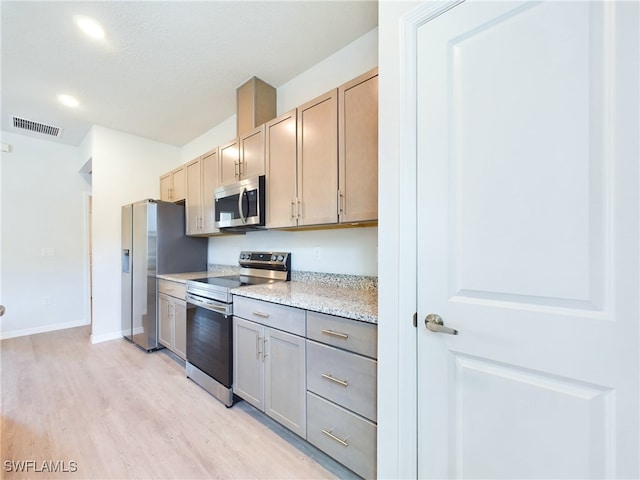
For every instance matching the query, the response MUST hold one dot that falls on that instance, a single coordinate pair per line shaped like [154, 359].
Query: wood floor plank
[119, 412]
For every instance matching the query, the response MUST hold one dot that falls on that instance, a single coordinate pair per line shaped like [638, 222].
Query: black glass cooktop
[233, 281]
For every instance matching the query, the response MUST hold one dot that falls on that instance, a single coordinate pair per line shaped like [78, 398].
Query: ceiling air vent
[37, 127]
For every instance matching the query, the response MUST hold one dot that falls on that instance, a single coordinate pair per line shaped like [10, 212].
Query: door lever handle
[434, 322]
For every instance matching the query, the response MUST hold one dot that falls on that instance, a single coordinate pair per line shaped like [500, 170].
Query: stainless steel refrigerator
[153, 243]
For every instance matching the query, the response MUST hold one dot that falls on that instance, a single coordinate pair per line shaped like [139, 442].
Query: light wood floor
[119, 412]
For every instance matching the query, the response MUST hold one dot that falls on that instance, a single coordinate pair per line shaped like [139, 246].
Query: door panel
[252, 153]
[285, 380]
[358, 148]
[318, 160]
[281, 172]
[248, 363]
[527, 232]
[210, 172]
[494, 402]
[193, 205]
[229, 158]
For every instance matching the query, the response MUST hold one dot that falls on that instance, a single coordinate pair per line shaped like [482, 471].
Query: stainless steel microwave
[241, 204]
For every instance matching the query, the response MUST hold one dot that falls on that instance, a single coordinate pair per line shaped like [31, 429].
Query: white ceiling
[167, 70]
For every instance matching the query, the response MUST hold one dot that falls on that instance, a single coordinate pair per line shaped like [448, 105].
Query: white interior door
[528, 243]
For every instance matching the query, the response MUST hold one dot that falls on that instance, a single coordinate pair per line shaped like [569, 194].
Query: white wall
[349, 251]
[358, 57]
[43, 206]
[125, 169]
[218, 135]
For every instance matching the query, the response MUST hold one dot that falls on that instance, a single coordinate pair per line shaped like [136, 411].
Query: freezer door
[145, 327]
[126, 283]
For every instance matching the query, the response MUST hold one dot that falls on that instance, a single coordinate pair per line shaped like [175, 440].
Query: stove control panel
[280, 261]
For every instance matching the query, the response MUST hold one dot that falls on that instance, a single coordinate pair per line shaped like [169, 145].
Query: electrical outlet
[317, 253]
[46, 300]
[47, 251]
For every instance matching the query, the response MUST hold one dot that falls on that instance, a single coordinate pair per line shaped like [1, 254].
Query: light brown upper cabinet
[282, 158]
[358, 149]
[202, 180]
[172, 185]
[318, 161]
[252, 153]
[243, 157]
[322, 159]
[229, 157]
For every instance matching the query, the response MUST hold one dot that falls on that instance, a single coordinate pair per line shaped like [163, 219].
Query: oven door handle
[243, 193]
[209, 305]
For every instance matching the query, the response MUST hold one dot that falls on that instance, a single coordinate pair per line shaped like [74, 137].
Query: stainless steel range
[209, 319]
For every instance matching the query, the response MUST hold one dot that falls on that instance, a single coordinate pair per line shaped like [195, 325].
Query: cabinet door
[281, 158]
[229, 158]
[318, 160]
[285, 384]
[165, 187]
[193, 203]
[209, 172]
[358, 148]
[165, 327]
[179, 187]
[252, 153]
[180, 328]
[248, 365]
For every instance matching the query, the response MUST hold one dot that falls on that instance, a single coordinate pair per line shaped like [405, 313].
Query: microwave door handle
[241, 204]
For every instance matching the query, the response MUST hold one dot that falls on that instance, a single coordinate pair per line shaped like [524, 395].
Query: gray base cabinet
[269, 363]
[248, 362]
[315, 374]
[342, 390]
[343, 435]
[172, 317]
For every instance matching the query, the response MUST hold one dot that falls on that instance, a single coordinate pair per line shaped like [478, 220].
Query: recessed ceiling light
[68, 100]
[89, 26]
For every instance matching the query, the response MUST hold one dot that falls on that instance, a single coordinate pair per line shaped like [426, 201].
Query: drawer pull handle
[335, 334]
[328, 376]
[339, 440]
[261, 314]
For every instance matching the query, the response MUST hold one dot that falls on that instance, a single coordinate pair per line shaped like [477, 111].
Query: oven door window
[209, 343]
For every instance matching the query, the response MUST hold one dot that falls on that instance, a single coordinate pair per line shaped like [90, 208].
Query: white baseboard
[105, 337]
[43, 329]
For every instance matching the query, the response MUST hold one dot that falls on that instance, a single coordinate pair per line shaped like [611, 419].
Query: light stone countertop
[354, 303]
[348, 296]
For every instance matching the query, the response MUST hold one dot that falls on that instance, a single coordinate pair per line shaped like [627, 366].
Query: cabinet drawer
[352, 335]
[288, 319]
[348, 438]
[343, 377]
[174, 289]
